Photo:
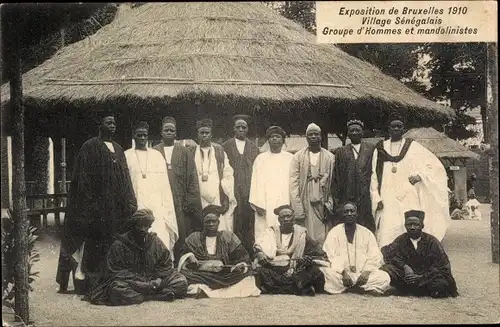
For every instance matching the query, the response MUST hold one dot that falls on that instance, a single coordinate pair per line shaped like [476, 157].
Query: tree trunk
[21, 223]
[493, 137]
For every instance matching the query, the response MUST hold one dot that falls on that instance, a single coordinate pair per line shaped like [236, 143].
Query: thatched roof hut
[208, 58]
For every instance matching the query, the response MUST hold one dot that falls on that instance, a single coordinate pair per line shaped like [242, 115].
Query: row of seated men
[139, 267]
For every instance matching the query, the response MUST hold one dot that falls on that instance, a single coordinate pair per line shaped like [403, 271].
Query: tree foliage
[458, 75]
[39, 27]
[9, 259]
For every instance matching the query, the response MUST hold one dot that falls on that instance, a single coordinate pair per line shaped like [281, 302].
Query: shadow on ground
[467, 242]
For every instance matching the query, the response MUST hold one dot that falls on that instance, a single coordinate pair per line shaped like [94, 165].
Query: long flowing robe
[126, 261]
[220, 183]
[101, 199]
[351, 182]
[398, 195]
[270, 187]
[285, 276]
[242, 164]
[185, 191]
[364, 254]
[153, 192]
[225, 283]
[429, 260]
[316, 209]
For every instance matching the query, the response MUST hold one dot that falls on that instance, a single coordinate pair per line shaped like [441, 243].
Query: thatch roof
[160, 52]
[439, 144]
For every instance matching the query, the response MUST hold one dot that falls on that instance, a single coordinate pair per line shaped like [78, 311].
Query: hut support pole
[63, 165]
[324, 139]
[21, 223]
[492, 53]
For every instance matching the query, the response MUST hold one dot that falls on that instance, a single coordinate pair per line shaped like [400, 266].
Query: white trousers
[378, 281]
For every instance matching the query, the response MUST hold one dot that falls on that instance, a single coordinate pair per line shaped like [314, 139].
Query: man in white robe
[355, 258]
[311, 175]
[472, 206]
[270, 186]
[215, 174]
[406, 176]
[149, 176]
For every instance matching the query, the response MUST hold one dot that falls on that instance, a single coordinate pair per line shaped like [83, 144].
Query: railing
[40, 205]
[30, 187]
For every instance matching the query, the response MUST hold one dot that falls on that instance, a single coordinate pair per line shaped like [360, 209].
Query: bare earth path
[467, 243]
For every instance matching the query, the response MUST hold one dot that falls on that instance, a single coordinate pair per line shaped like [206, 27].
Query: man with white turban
[311, 175]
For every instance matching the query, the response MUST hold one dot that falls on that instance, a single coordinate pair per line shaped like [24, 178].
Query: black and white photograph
[225, 163]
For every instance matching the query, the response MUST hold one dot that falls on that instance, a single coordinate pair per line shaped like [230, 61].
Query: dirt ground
[467, 243]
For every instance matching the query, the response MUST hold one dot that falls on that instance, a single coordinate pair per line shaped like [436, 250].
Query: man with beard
[215, 262]
[417, 262]
[288, 258]
[101, 199]
[406, 176]
[355, 258]
[241, 153]
[311, 176]
[270, 185]
[138, 268]
[215, 174]
[149, 176]
[183, 182]
[352, 175]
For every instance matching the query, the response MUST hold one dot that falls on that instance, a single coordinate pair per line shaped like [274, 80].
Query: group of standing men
[181, 186]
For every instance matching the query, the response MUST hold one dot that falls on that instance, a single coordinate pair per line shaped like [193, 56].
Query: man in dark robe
[101, 199]
[241, 153]
[215, 262]
[138, 268]
[417, 262]
[183, 182]
[352, 176]
[288, 258]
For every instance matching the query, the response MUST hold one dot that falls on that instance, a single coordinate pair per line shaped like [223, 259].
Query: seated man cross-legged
[288, 258]
[138, 268]
[417, 262]
[355, 258]
[215, 263]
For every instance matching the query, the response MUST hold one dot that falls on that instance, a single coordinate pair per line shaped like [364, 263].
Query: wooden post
[21, 223]
[324, 139]
[63, 165]
[492, 80]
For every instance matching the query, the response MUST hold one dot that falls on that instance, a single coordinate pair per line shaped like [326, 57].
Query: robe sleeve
[164, 266]
[117, 264]
[192, 200]
[83, 203]
[295, 187]
[167, 197]
[266, 243]
[128, 187]
[432, 190]
[257, 186]
[440, 262]
[373, 256]
[314, 249]
[335, 180]
[395, 253]
[237, 252]
[337, 262]
[227, 181]
[374, 184]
